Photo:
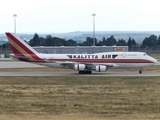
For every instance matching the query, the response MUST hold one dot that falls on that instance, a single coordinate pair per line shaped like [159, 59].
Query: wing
[88, 65]
[69, 64]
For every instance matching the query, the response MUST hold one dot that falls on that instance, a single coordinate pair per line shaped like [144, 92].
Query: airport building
[72, 50]
[79, 49]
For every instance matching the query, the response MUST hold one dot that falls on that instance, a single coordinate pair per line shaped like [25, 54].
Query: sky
[56, 16]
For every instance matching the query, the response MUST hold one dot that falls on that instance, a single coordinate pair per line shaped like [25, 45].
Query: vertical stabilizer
[20, 47]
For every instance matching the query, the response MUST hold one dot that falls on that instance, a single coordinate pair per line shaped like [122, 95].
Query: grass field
[80, 98]
[87, 98]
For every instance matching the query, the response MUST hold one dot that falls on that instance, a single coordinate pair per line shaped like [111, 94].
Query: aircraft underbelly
[115, 65]
[133, 65]
[55, 65]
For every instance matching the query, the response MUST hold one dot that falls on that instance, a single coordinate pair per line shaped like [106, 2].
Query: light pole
[93, 28]
[14, 22]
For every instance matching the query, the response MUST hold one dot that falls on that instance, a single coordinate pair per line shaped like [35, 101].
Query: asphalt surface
[76, 74]
[17, 64]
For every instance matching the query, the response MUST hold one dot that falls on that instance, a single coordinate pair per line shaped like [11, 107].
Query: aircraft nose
[155, 61]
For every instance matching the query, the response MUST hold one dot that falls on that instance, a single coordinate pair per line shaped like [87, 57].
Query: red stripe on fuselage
[101, 60]
[106, 60]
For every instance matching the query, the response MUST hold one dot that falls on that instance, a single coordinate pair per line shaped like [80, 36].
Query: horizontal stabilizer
[21, 57]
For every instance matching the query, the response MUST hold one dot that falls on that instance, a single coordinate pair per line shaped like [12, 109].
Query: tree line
[55, 41]
[149, 42]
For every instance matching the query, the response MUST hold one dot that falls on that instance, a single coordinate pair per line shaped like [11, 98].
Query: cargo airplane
[84, 63]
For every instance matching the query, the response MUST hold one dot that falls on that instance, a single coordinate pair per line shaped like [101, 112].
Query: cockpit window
[144, 54]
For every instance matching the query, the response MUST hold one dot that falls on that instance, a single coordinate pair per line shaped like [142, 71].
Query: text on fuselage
[92, 56]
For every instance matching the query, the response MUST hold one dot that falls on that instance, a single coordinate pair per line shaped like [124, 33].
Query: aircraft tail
[20, 48]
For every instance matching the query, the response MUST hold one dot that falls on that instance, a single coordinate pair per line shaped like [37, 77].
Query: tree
[129, 43]
[153, 41]
[58, 41]
[133, 43]
[103, 42]
[104, 39]
[35, 41]
[70, 42]
[6, 45]
[145, 42]
[42, 41]
[111, 41]
[121, 43]
[88, 42]
[150, 42]
[158, 41]
[49, 40]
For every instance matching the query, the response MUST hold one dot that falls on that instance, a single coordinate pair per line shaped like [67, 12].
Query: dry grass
[156, 55]
[57, 117]
[80, 98]
[154, 68]
[90, 98]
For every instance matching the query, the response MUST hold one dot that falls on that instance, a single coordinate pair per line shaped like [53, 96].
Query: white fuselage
[111, 59]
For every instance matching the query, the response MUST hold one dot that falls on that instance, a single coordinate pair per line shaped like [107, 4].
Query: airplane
[83, 63]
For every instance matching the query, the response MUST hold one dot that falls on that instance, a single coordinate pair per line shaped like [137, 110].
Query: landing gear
[140, 71]
[85, 72]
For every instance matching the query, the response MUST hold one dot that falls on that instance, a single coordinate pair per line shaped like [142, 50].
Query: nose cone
[154, 61]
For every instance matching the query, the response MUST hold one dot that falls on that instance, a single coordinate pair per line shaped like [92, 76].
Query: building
[79, 49]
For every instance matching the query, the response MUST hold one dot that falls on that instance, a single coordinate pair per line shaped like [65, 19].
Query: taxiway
[17, 64]
[76, 74]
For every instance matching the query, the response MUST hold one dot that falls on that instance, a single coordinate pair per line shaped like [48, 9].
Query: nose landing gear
[140, 71]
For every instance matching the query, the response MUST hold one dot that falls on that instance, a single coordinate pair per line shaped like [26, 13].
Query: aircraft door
[124, 54]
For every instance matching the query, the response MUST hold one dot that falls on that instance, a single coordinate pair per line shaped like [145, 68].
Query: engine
[101, 68]
[80, 67]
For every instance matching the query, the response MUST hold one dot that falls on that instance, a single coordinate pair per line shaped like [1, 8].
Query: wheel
[80, 72]
[88, 72]
[85, 72]
[140, 71]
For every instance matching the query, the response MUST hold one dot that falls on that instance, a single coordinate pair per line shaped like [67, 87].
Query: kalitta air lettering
[86, 56]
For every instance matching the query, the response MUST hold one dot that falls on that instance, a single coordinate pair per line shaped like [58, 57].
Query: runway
[78, 75]
[17, 64]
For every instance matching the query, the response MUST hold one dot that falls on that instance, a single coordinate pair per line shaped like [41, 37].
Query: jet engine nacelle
[80, 67]
[101, 68]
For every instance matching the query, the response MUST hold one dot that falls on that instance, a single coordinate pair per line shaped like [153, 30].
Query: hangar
[79, 49]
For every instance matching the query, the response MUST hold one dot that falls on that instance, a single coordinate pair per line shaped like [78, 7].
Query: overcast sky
[46, 16]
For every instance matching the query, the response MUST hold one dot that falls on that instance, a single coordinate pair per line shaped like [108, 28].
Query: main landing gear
[85, 72]
[140, 71]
